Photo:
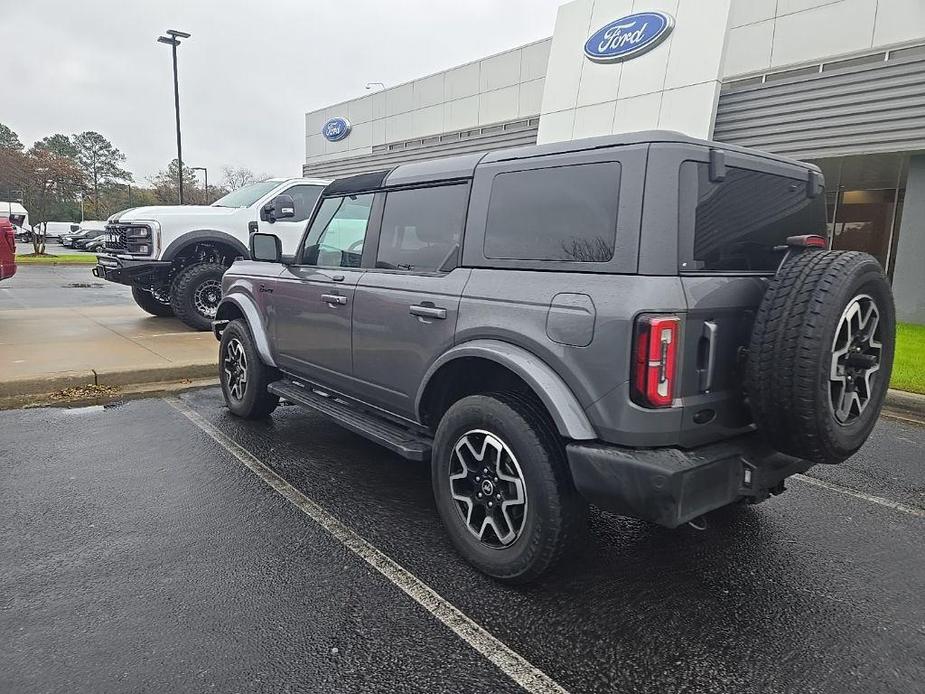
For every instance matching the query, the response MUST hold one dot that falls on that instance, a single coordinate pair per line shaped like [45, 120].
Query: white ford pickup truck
[173, 257]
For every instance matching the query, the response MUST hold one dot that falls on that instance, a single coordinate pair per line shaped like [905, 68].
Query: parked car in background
[87, 228]
[93, 242]
[173, 257]
[7, 249]
[548, 332]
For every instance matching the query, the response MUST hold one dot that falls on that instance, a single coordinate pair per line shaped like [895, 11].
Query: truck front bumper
[131, 271]
[671, 486]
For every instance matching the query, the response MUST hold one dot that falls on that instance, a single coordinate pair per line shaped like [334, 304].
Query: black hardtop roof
[463, 166]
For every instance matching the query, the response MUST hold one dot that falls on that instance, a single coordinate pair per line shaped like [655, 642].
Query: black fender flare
[201, 236]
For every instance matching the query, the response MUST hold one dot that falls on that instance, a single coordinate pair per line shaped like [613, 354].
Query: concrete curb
[59, 380]
[901, 402]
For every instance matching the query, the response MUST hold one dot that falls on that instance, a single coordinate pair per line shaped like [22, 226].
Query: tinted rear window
[737, 222]
[565, 213]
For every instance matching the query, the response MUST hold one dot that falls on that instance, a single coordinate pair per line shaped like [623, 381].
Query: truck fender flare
[191, 238]
[566, 412]
[247, 306]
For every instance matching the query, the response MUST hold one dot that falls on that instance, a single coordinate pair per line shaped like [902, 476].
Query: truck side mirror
[266, 248]
[280, 207]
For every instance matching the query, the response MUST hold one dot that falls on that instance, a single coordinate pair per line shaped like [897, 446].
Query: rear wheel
[503, 488]
[242, 374]
[157, 304]
[821, 354]
[195, 294]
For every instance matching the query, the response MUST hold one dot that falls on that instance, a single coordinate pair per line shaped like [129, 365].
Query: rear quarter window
[564, 213]
[735, 224]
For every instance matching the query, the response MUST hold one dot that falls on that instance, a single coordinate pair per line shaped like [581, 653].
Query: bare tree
[238, 177]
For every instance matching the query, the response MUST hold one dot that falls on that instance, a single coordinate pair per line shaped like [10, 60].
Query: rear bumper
[131, 271]
[670, 486]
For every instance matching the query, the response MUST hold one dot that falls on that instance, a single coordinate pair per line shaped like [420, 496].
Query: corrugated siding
[384, 160]
[871, 108]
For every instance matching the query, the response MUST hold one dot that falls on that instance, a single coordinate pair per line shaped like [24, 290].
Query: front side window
[421, 228]
[564, 213]
[739, 221]
[338, 232]
[304, 198]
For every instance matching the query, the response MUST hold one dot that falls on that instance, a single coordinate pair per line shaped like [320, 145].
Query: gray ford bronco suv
[648, 322]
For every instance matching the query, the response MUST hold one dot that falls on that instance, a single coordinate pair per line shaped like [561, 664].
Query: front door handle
[428, 312]
[333, 299]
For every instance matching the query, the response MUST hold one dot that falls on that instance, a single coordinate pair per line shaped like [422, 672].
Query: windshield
[246, 196]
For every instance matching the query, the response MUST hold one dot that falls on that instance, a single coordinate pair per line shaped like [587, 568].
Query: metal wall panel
[383, 160]
[878, 107]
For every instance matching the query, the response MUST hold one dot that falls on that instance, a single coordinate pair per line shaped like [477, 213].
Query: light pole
[173, 40]
[205, 173]
[81, 196]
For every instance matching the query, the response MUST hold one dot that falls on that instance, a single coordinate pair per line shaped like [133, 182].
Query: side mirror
[280, 207]
[266, 248]
[75, 227]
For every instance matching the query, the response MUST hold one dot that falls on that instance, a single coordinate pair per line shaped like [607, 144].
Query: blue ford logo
[336, 129]
[628, 37]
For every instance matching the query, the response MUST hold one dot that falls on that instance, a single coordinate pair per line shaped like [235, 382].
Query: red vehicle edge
[7, 249]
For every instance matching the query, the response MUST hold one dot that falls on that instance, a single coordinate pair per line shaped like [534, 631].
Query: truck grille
[115, 241]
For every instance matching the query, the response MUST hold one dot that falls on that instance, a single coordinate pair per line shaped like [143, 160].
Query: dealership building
[840, 83]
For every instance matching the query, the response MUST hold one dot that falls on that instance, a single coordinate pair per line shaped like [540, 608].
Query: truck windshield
[246, 196]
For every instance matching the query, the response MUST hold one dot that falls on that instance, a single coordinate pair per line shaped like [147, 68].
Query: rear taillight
[655, 360]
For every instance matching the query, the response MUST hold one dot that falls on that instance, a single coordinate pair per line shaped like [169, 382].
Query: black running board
[406, 442]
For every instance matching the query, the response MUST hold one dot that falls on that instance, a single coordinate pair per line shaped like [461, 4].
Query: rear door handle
[428, 312]
[334, 299]
[706, 375]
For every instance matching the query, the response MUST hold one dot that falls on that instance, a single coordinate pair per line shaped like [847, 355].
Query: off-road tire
[257, 401]
[147, 302]
[791, 353]
[183, 293]
[556, 518]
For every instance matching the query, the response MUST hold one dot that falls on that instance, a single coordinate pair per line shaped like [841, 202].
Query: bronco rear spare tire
[821, 354]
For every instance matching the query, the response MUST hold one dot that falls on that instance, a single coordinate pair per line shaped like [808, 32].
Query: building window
[564, 213]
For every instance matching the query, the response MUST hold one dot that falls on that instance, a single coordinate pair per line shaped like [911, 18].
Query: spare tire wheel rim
[207, 297]
[856, 355]
[487, 486]
[235, 367]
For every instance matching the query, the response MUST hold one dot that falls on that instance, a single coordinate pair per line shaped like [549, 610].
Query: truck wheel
[150, 303]
[821, 354]
[244, 377]
[503, 488]
[195, 294]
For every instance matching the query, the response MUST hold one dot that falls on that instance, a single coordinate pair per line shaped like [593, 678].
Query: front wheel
[242, 374]
[195, 294]
[503, 487]
[155, 304]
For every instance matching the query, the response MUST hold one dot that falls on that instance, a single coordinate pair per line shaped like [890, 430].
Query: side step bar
[407, 443]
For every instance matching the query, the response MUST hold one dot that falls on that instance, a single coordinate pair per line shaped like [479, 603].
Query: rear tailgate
[716, 330]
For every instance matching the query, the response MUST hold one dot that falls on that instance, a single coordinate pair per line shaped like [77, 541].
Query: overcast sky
[247, 76]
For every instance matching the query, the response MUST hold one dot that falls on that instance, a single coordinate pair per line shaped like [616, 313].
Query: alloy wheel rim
[856, 355]
[235, 367]
[207, 297]
[487, 486]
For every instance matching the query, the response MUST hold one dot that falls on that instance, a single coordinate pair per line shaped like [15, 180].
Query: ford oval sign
[336, 129]
[628, 37]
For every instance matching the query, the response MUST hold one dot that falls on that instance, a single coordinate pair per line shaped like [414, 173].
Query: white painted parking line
[512, 664]
[847, 491]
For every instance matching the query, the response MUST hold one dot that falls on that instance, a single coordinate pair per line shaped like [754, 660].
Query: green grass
[909, 363]
[65, 259]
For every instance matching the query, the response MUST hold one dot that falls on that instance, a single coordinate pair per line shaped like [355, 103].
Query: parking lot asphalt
[60, 286]
[143, 555]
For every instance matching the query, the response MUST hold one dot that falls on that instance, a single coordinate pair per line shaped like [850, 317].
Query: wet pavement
[58, 286]
[138, 554]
